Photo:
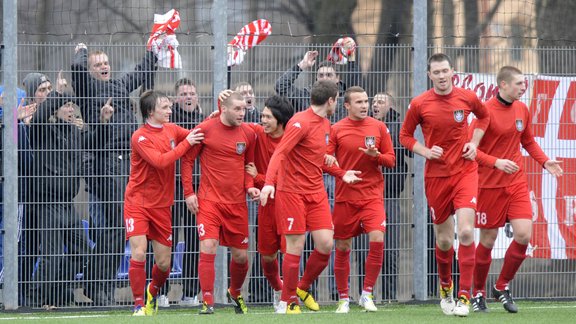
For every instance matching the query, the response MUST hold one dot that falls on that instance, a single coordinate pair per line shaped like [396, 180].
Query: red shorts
[227, 223]
[269, 240]
[298, 213]
[352, 218]
[447, 194]
[155, 223]
[496, 206]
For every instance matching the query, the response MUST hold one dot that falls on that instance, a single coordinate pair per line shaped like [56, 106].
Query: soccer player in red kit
[451, 177]
[364, 144]
[275, 115]
[150, 195]
[301, 202]
[503, 186]
[220, 206]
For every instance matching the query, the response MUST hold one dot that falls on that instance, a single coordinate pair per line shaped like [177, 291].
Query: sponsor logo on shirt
[244, 241]
[297, 124]
[240, 147]
[459, 115]
[169, 239]
[141, 138]
[519, 125]
[473, 200]
[370, 141]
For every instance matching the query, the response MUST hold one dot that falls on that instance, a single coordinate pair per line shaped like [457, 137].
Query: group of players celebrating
[472, 171]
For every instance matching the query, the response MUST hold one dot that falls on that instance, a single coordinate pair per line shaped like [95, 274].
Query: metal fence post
[420, 210]
[220, 27]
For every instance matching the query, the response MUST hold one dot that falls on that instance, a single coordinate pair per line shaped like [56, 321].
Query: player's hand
[371, 150]
[250, 168]
[330, 160]
[224, 94]
[192, 204]
[267, 191]
[554, 168]
[254, 193]
[106, 111]
[214, 114]
[434, 153]
[195, 136]
[79, 47]
[469, 151]
[61, 83]
[506, 166]
[351, 177]
[308, 60]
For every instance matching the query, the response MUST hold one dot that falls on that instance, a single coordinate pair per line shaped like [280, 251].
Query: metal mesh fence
[72, 180]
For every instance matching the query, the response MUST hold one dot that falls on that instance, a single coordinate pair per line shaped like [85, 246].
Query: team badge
[459, 115]
[327, 138]
[240, 147]
[519, 125]
[370, 141]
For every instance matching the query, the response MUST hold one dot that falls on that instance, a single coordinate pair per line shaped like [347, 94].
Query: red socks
[290, 270]
[137, 276]
[513, 259]
[481, 268]
[317, 262]
[373, 265]
[272, 273]
[206, 275]
[158, 279]
[466, 256]
[238, 273]
[342, 272]
[444, 261]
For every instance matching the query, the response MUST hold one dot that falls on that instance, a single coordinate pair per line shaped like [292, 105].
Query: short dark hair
[329, 65]
[439, 57]
[148, 102]
[183, 81]
[281, 109]
[506, 73]
[322, 91]
[350, 91]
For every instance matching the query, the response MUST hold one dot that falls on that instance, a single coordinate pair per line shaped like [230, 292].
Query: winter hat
[32, 81]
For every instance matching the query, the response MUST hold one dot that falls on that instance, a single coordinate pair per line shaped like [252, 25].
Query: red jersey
[346, 136]
[223, 154]
[265, 146]
[508, 128]
[296, 165]
[444, 122]
[154, 151]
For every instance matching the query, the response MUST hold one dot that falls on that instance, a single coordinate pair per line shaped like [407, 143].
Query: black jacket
[93, 94]
[395, 178]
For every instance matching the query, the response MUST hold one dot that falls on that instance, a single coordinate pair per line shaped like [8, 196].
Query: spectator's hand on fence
[554, 168]
[25, 113]
[308, 60]
[192, 204]
[250, 168]
[195, 137]
[61, 83]
[330, 160]
[506, 166]
[78, 122]
[79, 47]
[106, 111]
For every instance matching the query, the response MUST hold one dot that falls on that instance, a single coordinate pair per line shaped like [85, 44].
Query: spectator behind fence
[394, 179]
[186, 113]
[61, 241]
[106, 106]
[252, 111]
[300, 97]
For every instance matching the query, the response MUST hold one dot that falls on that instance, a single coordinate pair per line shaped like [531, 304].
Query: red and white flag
[163, 40]
[249, 36]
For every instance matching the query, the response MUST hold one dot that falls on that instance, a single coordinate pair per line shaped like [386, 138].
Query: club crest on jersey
[240, 147]
[370, 141]
[459, 115]
[327, 138]
[519, 125]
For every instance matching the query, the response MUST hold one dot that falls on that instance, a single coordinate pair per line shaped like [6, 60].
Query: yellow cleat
[447, 302]
[307, 299]
[238, 302]
[139, 311]
[151, 307]
[293, 309]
